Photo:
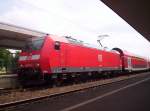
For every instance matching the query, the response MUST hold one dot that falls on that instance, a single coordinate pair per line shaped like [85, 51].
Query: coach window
[57, 45]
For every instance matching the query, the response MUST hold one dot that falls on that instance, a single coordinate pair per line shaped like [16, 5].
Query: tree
[6, 57]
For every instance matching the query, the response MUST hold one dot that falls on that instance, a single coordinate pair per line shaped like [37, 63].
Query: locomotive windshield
[34, 45]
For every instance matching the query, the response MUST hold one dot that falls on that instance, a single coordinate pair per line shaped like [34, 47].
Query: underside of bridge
[15, 37]
[135, 12]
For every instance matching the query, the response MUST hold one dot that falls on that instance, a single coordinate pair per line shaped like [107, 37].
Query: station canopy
[14, 37]
[134, 12]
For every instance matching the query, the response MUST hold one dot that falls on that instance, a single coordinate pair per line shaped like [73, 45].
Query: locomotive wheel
[77, 79]
[48, 80]
[57, 83]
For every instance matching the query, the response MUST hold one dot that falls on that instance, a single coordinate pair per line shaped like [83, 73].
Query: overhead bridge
[15, 37]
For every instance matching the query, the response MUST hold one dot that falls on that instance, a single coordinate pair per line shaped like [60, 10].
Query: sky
[82, 19]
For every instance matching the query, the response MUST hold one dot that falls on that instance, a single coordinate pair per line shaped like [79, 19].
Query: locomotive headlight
[35, 57]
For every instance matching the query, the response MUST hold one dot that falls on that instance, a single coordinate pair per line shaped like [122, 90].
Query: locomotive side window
[57, 45]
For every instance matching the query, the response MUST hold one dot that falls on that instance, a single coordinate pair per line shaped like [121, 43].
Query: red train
[52, 57]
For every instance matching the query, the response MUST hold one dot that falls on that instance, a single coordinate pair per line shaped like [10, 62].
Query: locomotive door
[63, 55]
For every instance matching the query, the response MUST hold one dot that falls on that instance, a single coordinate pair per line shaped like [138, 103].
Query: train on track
[53, 58]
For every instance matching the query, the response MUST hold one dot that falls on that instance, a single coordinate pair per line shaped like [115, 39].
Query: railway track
[25, 97]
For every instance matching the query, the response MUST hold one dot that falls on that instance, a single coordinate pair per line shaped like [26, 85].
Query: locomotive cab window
[35, 44]
[57, 45]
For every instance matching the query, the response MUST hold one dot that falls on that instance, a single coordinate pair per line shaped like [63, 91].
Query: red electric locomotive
[53, 57]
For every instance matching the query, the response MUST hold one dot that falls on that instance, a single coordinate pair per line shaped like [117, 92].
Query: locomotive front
[30, 61]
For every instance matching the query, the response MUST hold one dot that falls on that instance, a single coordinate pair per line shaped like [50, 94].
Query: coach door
[129, 63]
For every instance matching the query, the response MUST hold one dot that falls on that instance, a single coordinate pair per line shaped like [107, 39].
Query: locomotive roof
[69, 39]
[58, 38]
[80, 42]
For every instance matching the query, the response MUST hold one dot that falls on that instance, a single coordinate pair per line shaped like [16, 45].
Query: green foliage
[5, 58]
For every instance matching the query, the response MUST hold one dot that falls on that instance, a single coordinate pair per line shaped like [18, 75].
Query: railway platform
[8, 81]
